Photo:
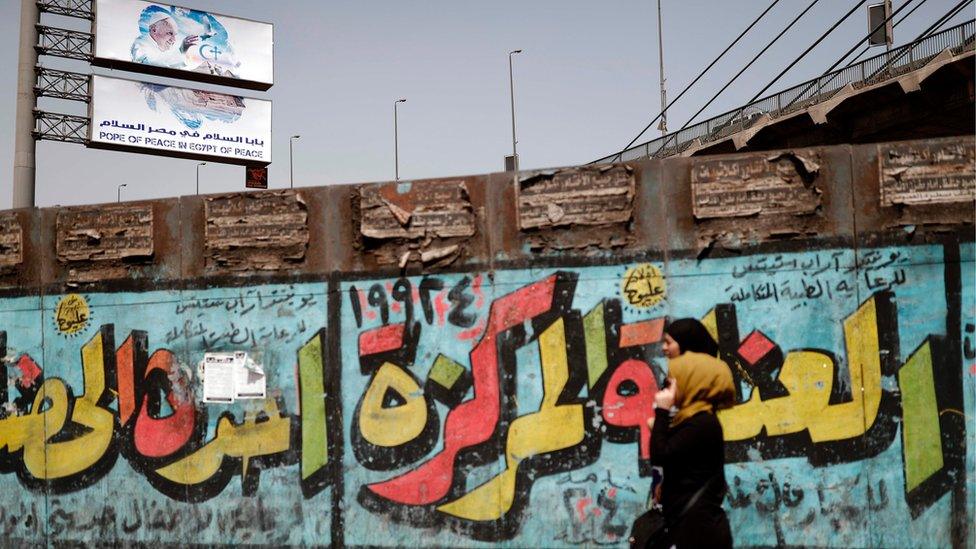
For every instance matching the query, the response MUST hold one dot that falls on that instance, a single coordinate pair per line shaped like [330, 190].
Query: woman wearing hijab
[689, 445]
[688, 335]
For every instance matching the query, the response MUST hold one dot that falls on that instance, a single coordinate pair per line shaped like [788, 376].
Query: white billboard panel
[173, 121]
[161, 38]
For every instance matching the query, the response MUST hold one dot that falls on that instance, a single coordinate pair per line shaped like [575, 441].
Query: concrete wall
[470, 363]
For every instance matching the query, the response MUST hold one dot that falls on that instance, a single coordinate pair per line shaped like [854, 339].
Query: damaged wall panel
[559, 210]
[742, 199]
[427, 222]
[926, 185]
[777, 184]
[11, 241]
[265, 231]
[933, 172]
[101, 242]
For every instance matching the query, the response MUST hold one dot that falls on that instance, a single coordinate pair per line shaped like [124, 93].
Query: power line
[700, 75]
[738, 74]
[944, 19]
[854, 47]
[815, 44]
[932, 28]
[866, 48]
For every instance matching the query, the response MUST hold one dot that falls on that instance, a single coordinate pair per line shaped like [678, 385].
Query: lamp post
[198, 175]
[118, 194]
[291, 161]
[511, 87]
[663, 126]
[396, 141]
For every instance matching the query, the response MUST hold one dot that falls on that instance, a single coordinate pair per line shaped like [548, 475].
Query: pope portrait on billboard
[184, 39]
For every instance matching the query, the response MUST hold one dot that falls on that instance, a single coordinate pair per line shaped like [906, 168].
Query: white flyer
[251, 381]
[219, 372]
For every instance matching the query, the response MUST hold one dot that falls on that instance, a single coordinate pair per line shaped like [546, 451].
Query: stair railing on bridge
[873, 70]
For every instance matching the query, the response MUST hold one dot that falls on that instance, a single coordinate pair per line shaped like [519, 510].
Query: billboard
[184, 43]
[183, 122]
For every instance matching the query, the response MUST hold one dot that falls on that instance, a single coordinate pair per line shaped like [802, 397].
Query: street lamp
[396, 143]
[663, 126]
[291, 160]
[511, 86]
[119, 192]
[198, 175]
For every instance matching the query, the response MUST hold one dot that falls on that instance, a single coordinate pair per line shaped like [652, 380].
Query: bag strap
[694, 499]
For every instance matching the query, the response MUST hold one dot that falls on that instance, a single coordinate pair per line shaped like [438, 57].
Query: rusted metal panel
[11, 241]
[427, 222]
[438, 209]
[762, 197]
[755, 186]
[105, 234]
[256, 231]
[584, 209]
[927, 172]
[579, 196]
[912, 189]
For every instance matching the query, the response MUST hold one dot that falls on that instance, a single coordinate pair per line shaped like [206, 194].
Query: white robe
[146, 52]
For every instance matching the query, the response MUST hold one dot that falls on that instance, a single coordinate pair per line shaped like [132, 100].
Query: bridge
[922, 89]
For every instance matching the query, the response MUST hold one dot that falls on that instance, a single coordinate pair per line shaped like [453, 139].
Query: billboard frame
[179, 74]
[120, 147]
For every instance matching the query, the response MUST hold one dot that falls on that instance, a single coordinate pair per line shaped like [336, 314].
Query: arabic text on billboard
[179, 121]
[206, 45]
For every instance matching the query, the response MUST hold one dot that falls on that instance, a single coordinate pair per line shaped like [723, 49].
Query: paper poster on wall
[251, 381]
[230, 376]
[198, 45]
[219, 373]
[173, 121]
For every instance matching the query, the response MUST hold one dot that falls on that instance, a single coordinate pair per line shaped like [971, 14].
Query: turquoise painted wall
[497, 408]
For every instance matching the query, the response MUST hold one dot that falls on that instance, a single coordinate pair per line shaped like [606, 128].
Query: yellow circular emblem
[643, 286]
[72, 314]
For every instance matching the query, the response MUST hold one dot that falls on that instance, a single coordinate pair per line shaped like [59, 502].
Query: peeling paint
[434, 210]
[105, 233]
[588, 208]
[104, 242]
[577, 196]
[755, 186]
[927, 172]
[264, 231]
[428, 222]
[11, 241]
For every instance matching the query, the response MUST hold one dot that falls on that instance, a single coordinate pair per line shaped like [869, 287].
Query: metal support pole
[511, 88]
[24, 144]
[118, 193]
[663, 125]
[396, 141]
[198, 175]
[396, 145]
[291, 161]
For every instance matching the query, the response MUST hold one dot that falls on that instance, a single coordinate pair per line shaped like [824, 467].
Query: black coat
[691, 454]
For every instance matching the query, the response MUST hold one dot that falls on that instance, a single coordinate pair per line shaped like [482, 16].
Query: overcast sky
[586, 83]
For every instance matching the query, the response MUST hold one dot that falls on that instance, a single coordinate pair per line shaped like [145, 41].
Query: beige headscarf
[704, 384]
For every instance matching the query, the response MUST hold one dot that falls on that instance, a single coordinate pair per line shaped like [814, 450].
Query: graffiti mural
[109, 409]
[850, 398]
[494, 408]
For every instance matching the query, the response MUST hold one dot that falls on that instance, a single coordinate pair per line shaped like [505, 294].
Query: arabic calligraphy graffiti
[829, 406]
[643, 285]
[504, 407]
[72, 315]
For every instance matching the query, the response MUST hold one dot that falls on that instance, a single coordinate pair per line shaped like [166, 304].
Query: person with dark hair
[689, 445]
[688, 335]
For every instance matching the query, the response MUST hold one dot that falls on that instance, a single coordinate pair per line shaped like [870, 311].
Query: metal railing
[875, 69]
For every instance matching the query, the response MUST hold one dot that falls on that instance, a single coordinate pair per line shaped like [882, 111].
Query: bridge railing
[873, 70]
